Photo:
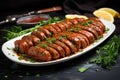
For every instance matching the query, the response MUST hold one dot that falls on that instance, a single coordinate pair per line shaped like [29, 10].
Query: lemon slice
[71, 16]
[104, 15]
[111, 11]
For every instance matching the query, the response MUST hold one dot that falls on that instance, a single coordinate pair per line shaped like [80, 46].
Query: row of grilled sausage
[64, 38]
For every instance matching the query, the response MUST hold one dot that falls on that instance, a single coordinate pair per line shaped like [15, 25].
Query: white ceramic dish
[9, 53]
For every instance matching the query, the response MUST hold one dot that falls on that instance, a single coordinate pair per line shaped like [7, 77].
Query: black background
[63, 71]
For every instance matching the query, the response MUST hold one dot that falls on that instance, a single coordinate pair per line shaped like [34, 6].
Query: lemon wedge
[111, 11]
[71, 16]
[104, 15]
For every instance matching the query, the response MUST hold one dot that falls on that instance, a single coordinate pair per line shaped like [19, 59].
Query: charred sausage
[23, 48]
[89, 35]
[64, 46]
[58, 48]
[39, 54]
[45, 31]
[39, 34]
[51, 29]
[61, 26]
[56, 27]
[69, 44]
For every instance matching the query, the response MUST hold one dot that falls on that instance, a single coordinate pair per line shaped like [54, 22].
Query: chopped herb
[44, 45]
[92, 60]
[25, 57]
[90, 22]
[71, 30]
[66, 35]
[50, 40]
[61, 37]
[50, 34]
[97, 70]
[16, 49]
[80, 50]
[87, 23]
[84, 67]
[37, 75]
[29, 59]
[20, 57]
[8, 48]
[107, 29]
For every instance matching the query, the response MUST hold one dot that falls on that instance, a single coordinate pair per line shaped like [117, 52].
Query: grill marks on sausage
[39, 34]
[45, 31]
[58, 48]
[70, 45]
[54, 53]
[70, 36]
[89, 35]
[64, 46]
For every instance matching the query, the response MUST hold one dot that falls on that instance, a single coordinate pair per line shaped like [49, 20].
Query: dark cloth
[88, 6]
[11, 7]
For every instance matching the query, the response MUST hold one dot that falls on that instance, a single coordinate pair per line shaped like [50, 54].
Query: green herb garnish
[108, 54]
[16, 31]
[87, 23]
[50, 40]
[71, 30]
[25, 57]
[8, 48]
[37, 75]
[84, 67]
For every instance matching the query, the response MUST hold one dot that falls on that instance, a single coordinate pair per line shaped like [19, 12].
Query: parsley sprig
[108, 54]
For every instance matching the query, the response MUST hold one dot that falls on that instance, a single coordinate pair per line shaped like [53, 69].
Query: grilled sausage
[64, 46]
[69, 44]
[80, 20]
[83, 42]
[23, 48]
[75, 40]
[56, 27]
[45, 31]
[34, 39]
[99, 31]
[67, 23]
[89, 35]
[90, 30]
[17, 43]
[29, 41]
[53, 52]
[84, 37]
[50, 29]
[39, 34]
[74, 21]
[58, 48]
[98, 23]
[39, 54]
[61, 26]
